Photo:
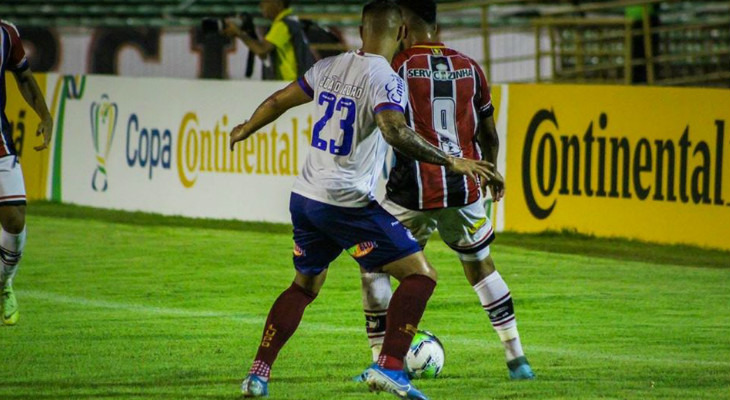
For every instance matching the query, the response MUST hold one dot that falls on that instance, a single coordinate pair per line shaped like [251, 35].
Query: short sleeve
[16, 61]
[484, 99]
[278, 34]
[389, 92]
[308, 81]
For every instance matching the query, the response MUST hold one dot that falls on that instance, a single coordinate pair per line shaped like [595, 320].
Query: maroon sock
[404, 312]
[283, 320]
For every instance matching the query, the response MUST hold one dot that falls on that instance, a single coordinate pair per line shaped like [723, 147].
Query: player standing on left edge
[12, 187]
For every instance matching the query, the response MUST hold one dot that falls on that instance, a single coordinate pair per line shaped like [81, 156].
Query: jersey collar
[361, 53]
[429, 45]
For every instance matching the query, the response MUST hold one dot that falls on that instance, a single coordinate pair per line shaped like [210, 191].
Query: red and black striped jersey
[448, 96]
[12, 58]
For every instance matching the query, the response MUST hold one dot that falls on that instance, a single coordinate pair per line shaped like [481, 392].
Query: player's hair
[380, 8]
[423, 9]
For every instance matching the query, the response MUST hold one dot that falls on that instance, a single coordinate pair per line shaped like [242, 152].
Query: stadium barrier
[658, 157]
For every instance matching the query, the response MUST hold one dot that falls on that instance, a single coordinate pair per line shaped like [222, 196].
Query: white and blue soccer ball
[425, 358]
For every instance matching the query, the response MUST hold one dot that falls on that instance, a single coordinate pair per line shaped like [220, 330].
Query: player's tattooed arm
[488, 140]
[268, 111]
[393, 126]
[395, 131]
[32, 94]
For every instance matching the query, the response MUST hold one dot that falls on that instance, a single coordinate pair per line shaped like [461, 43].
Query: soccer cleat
[254, 386]
[10, 306]
[395, 382]
[519, 369]
[362, 377]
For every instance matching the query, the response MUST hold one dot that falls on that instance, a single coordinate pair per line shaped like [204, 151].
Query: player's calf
[11, 251]
[376, 295]
[496, 300]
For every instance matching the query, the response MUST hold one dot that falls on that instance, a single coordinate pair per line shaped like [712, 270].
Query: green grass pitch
[131, 306]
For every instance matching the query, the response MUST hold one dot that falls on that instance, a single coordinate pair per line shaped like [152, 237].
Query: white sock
[376, 294]
[497, 302]
[11, 249]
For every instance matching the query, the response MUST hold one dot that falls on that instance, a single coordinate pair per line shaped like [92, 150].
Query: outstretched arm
[34, 97]
[268, 111]
[395, 131]
[488, 140]
[259, 47]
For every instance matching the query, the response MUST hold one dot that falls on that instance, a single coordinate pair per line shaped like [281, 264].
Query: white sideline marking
[250, 319]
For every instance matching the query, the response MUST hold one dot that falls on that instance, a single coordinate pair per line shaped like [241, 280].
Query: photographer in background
[285, 43]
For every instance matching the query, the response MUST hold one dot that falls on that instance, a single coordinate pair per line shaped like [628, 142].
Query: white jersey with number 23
[348, 150]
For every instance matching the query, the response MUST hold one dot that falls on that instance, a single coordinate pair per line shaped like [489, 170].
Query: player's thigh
[371, 235]
[12, 195]
[420, 223]
[467, 230]
[314, 250]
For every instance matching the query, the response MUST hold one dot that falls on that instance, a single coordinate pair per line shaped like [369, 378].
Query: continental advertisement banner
[644, 163]
[161, 145]
[23, 126]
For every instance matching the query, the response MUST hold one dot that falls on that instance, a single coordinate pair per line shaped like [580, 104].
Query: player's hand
[496, 186]
[238, 134]
[472, 168]
[45, 128]
[231, 30]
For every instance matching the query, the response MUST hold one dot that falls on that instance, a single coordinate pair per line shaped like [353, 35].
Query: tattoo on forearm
[414, 146]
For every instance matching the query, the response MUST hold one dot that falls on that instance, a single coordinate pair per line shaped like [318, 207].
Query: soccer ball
[425, 358]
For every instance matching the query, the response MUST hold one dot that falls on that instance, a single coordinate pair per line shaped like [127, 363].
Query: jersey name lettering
[440, 75]
[336, 86]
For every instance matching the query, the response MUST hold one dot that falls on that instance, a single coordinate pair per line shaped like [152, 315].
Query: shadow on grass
[568, 242]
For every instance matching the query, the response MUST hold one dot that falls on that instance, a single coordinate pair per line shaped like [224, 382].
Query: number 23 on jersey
[347, 124]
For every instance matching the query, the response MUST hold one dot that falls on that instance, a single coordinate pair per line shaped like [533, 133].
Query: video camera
[243, 21]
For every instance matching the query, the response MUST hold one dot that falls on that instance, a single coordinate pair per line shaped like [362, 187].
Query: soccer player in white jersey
[12, 188]
[450, 106]
[332, 203]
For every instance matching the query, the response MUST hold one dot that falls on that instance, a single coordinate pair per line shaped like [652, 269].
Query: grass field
[131, 306]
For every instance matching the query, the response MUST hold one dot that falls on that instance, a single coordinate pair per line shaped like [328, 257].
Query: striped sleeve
[17, 60]
[484, 98]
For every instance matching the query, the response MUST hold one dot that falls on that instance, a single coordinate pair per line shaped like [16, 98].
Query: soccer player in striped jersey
[450, 107]
[332, 203]
[12, 187]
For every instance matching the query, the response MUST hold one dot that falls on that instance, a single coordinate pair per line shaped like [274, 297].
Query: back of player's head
[381, 10]
[423, 9]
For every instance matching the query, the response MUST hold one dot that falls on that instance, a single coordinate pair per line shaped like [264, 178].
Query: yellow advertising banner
[644, 163]
[23, 125]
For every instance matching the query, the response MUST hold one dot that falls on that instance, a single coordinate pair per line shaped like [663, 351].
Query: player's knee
[431, 272]
[310, 283]
[426, 269]
[17, 225]
[414, 264]
[477, 266]
[479, 257]
[13, 220]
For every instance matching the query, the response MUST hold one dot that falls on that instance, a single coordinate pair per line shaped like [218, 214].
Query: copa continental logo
[601, 164]
[103, 125]
[195, 149]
